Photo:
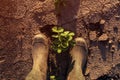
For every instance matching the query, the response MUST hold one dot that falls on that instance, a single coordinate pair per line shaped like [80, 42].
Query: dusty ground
[20, 20]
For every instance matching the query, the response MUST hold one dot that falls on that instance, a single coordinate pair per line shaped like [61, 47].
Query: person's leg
[79, 54]
[40, 55]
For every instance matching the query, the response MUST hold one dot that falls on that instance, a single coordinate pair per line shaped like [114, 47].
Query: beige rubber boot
[79, 54]
[40, 56]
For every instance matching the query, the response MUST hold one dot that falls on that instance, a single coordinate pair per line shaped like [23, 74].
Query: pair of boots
[40, 52]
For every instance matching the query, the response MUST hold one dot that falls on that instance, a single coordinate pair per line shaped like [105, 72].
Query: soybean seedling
[61, 39]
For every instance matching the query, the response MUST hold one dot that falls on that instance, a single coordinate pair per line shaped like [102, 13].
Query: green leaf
[54, 47]
[59, 50]
[60, 29]
[70, 38]
[54, 29]
[60, 38]
[59, 45]
[55, 36]
[72, 43]
[57, 29]
[65, 33]
[64, 49]
[52, 77]
[65, 45]
[71, 34]
[62, 34]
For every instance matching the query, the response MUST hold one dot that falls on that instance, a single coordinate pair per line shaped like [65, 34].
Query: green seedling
[61, 39]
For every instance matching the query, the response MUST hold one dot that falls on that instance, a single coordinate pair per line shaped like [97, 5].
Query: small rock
[92, 55]
[117, 17]
[92, 35]
[113, 47]
[103, 37]
[110, 41]
[1, 61]
[85, 10]
[102, 21]
[112, 51]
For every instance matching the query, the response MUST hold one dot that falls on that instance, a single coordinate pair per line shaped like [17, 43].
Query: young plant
[61, 39]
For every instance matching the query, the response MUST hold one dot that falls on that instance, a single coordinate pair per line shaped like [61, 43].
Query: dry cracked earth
[96, 20]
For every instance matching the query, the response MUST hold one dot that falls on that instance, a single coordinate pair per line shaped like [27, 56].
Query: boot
[79, 54]
[40, 57]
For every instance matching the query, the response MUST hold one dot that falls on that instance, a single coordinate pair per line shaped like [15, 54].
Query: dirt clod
[103, 37]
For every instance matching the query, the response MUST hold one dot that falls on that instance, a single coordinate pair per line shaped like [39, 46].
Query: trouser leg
[79, 55]
[40, 56]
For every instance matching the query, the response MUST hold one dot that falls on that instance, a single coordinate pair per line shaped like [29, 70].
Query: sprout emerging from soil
[61, 39]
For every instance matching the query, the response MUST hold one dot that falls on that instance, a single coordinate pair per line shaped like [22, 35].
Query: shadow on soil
[114, 74]
[103, 49]
[66, 17]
